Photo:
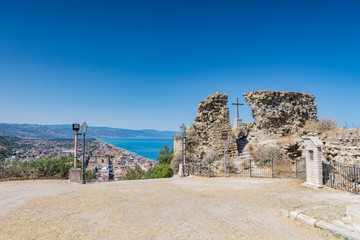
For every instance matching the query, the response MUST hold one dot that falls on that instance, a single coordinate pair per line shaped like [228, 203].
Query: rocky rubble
[280, 113]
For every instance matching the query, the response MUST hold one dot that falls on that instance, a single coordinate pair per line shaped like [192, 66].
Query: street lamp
[183, 137]
[76, 128]
[83, 129]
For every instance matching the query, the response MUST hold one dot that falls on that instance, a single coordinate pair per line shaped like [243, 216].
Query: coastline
[145, 147]
[130, 153]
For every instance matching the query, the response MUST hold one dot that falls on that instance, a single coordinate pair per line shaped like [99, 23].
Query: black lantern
[76, 127]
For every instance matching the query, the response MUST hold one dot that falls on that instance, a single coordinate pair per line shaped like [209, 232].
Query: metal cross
[237, 106]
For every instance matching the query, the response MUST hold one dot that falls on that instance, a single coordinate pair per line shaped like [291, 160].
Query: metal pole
[225, 158]
[272, 167]
[330, 174]
[83, 162]
[3, 170]
[250, 167]
[354, 179]
[184, 153]
[75, 152]
[296, 171]
[182, 161]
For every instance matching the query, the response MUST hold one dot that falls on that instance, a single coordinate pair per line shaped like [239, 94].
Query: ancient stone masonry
[280, 113]
[205, 133]
[342, 146]
[281, 119]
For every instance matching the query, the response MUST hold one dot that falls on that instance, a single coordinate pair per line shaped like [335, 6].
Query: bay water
[146, 147]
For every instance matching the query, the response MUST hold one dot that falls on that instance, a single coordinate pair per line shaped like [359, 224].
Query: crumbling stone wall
[280, 113]
[205, 134]
[342, 146]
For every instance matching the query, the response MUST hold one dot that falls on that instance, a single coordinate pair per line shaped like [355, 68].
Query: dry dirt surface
[176, 208]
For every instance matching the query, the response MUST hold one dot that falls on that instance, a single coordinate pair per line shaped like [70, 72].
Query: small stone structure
[238, 124]
[314, 167]
[75, 175]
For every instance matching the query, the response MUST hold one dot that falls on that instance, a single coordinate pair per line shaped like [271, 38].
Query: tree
[165, 155]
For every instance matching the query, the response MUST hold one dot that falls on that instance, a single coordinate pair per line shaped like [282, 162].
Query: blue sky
[147, 64]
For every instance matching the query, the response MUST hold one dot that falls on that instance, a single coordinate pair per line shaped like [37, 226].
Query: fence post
[272, 167]
[296, 170]
[354, 179]
[250, 167]
[209, 168]
[330, 174]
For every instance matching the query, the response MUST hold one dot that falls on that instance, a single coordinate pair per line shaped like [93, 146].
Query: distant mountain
[35, 131]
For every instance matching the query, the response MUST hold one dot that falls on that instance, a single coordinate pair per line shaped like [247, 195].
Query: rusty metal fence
[341, 176]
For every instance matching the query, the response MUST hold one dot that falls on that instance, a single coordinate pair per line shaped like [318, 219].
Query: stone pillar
[314, 167]
[176, 162]
[177, 146]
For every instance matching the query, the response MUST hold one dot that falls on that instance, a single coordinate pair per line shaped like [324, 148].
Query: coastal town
[105, 160]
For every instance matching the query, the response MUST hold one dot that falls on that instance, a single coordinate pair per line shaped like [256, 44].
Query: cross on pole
[237, 106]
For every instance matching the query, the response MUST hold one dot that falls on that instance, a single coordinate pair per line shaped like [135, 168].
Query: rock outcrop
[205, 133]
[281, 113]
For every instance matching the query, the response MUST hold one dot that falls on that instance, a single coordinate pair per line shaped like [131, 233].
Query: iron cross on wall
[237, 106]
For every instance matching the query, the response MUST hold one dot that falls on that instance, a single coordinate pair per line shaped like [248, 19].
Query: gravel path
[187, 208]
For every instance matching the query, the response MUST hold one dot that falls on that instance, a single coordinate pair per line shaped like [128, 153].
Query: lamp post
[76, 128]
[83, 129]
[183, 137]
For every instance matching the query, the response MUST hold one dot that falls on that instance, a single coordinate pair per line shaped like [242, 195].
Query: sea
[146, 147]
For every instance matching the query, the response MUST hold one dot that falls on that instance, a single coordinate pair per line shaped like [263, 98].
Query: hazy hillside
[34, 131]
[5, 145]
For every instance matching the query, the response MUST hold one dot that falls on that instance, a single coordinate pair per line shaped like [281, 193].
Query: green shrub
[134, 174]
[161, 171]
[89, 175]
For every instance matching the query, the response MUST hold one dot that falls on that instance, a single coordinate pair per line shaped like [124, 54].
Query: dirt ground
[176, 208]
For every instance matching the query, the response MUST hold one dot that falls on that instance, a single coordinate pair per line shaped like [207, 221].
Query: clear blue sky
[147, 64]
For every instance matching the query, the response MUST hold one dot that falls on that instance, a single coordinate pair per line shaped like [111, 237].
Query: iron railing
[248, 168]
[341, 176]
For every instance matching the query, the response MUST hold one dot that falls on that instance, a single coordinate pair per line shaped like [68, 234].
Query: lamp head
[76, 126]
[84, 127]
[183, 131]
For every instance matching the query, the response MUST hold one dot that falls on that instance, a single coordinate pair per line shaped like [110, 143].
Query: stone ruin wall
[204, 136]
[280, 113]
[278, 116]
[205, 133]
[342, 146]
[284, 115]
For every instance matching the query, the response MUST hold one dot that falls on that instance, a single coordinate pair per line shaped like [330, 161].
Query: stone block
[306, 219]
[285, 213]
[345, 233]
[294, 214]
[75, 175]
